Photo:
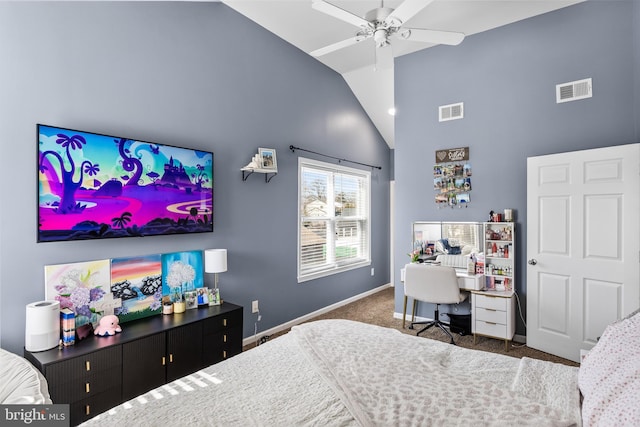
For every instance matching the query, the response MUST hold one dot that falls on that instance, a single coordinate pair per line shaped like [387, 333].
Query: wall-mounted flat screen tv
[94, 186]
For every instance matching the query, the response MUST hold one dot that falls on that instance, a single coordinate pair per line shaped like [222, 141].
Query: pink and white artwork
[79, 286]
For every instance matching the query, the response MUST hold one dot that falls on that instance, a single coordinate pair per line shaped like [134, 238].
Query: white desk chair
[434, 284]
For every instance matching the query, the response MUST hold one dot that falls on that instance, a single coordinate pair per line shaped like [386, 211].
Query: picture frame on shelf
[268, 159]
[214, 297]
[191, 298]
[202, 297]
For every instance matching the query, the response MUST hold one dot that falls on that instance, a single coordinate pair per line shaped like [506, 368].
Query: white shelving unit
[493, 309]
[499, 254]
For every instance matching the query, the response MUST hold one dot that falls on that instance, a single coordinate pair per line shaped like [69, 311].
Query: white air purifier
[42, 330]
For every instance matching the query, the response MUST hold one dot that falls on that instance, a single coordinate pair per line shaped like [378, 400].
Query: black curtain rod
[292, 148]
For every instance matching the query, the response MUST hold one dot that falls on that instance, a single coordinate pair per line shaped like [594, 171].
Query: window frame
[332, 266]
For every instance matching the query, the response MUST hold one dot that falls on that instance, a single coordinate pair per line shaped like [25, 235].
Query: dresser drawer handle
[86, 387]
[490, 323]
[224, 322]
[491, 309]
[224, 354]
[224, 338]
[170, 357]
[88, 365]
[164, 360]
[87, 409]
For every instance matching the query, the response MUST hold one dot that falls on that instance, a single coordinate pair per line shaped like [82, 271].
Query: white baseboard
[311, 315]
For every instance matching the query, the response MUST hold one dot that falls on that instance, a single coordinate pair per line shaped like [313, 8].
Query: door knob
[532, 261]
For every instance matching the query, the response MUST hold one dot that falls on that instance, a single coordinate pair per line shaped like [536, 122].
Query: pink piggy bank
[108, 325]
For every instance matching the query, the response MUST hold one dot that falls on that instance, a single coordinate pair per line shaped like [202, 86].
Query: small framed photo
[202, 297]
[268, 158]
[191, 298]
[214, 297]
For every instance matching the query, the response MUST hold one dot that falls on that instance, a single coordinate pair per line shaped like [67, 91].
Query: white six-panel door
[583, 250]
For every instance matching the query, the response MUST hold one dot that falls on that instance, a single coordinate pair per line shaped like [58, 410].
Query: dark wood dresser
[99, 373]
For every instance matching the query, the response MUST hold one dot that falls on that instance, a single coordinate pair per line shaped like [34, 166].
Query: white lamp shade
[215, 260]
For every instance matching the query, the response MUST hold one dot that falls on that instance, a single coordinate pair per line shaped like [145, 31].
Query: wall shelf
[268, 173]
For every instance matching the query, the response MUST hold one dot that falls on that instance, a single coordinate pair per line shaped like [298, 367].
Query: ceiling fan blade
[336, 46]
[432, 36]
[336, 12]
[384, 58]
[407, 10]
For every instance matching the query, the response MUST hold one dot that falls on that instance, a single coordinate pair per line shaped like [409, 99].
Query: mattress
[345, 373]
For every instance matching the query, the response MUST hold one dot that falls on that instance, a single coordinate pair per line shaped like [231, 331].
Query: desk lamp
[215, 261]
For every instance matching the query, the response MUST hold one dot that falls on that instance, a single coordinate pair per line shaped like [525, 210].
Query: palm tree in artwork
[67, 170]
[200, 177]
[122, 220]
[92, 169]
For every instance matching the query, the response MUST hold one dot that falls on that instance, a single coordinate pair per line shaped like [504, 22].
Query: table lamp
[215, 261]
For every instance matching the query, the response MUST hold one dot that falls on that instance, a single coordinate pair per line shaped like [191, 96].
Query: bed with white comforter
[344, 373]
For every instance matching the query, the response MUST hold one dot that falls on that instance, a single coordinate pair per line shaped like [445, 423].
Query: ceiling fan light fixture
[381, 38]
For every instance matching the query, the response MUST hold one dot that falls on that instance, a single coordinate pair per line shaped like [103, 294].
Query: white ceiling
[297, 23]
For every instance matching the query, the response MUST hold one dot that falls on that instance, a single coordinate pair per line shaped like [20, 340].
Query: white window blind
[463, 234]
[333, 220]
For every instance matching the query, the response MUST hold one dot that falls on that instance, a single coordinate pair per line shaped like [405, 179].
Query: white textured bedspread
[342, 373]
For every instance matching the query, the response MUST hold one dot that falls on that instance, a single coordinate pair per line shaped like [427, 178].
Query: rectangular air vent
[451, 112]
[572, 91]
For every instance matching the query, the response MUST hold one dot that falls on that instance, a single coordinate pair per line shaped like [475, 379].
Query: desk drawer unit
[493, 316]
[471, 282]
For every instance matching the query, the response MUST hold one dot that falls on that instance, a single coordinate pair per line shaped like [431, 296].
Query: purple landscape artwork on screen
[93, 186]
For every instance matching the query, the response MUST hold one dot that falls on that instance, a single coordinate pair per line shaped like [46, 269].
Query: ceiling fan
[382, 23]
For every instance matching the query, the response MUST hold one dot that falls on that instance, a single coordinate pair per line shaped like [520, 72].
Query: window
[333, 219]
[465, 234]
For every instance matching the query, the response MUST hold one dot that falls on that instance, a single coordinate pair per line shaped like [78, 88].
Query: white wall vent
[451, 112]
[572, 91]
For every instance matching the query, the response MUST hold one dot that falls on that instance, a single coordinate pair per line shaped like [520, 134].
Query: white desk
[492, 312]
[466, 281]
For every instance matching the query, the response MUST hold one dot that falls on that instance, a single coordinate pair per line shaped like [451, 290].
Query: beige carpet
[378, 309]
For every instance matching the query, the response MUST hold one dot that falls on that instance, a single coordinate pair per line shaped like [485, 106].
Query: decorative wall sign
[452, 177]
[452, 155]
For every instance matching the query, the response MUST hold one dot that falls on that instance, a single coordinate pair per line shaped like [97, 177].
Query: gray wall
[191, 74]
[636, 63]
[506, 78]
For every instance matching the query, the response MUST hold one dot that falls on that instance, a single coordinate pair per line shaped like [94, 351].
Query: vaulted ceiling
[308, 29]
